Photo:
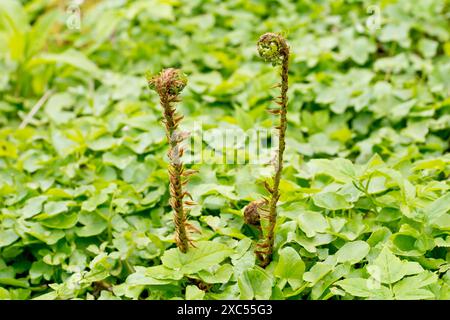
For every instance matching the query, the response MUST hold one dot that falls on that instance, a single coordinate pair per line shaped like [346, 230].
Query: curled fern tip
[273, 48]
[169, 81]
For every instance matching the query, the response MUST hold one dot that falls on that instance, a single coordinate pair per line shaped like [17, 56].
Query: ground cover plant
[85, 195]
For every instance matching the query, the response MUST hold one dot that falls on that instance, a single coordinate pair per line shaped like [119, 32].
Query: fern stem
[168, 85]
[273, 48]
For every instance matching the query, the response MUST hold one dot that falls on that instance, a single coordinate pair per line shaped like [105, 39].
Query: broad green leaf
[331, 201]
[377, 185]
[53, 208]
[437, 208]
[221, 275]
[93, 224]
[41, 269]
[70, 57]
[353, 252]
[94, 201]
[389, 269]
[22, 283]
[58, 106]
[320, 288]
[243, 119]
[360, 287]
[443, 222]
[45, 235]
[7, 237]
[256, 284]
[102, 143]
[311, 244]
[17, 16]
[162, 272]
[412, 288]
[206, 254]
[40, 32]
[290, 267]
[428, 47]
[4, 294]
[318, 271]
[140, 278]
[194, 293]
[312, 222]
[119, 159]
[33, 206]
[62, 221]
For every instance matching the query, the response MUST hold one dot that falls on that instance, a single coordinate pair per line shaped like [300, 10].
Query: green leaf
[194, 293]
[61, 221]
[22, 283]
[359, 287]
[102, 143]
[33, 206]
[437, 208]
[320, 288]
[47, 236]
[331, 201]
[41, 269]
[428, 47]
[120, 159]
[389, 269]
[17, 16]
[312, 222]
[161, 272]
[4, 294]
[7, 237]
[342, 170]
[140, 278]
[93, 224]
[353, 252]
[53, 208]
[206, 254]
[58, 106]
[221, 275]
[243, 119]
[412, 288]
[318, 271]
[290, 267]
[94, 201]
[70, 57]
[256, 284]
[40, 32]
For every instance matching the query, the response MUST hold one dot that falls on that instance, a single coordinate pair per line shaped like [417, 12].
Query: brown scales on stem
[169, 84]
[273, 48]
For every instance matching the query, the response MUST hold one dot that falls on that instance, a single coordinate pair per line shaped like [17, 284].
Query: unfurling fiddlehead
[169, 84]
[252, 212]
[273, 48]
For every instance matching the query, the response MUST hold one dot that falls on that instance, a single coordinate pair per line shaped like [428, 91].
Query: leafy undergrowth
[364, 211]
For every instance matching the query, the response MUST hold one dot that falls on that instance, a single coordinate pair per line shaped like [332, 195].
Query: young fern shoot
[169, 84]
[273, 48]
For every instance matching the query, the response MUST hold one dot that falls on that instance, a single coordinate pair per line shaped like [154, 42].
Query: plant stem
[111, 212]
[168, 85]
[279, 164]
[175, 171]
[35, 109]
[273, 48]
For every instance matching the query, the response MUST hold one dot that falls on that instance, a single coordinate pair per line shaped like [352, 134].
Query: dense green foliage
[364, 207]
